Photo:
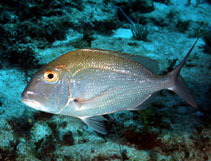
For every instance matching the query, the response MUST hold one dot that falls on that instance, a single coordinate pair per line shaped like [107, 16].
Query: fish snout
[29, 98]
[26, 95]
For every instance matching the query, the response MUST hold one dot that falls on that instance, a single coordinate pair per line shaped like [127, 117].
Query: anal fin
[145, 104]
[96, 122]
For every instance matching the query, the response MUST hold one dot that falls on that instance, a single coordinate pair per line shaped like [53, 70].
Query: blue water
[33, 33]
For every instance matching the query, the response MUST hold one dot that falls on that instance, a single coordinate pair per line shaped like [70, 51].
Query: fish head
[47, 91]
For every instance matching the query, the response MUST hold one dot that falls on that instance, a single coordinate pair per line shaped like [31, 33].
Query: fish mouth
[32, 103]
[27, 98]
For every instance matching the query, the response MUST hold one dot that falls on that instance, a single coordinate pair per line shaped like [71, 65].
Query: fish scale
[88, 83]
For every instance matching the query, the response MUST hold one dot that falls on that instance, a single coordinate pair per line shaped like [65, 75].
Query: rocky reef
[32, 33]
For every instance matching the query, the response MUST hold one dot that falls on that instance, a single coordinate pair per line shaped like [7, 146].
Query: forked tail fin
[180, 86]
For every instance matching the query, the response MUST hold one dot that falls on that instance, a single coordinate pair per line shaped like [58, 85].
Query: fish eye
[50, 76]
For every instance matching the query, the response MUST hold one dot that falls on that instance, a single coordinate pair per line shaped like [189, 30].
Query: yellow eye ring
[50, 76]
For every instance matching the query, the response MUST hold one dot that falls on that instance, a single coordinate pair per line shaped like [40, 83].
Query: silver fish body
[88, 83]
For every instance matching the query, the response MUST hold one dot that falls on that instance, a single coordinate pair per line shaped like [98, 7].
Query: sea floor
[169, 130]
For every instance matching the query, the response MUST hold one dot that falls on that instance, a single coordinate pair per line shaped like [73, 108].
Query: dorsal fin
[148, 63]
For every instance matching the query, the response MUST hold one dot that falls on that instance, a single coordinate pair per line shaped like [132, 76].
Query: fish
[89, 83]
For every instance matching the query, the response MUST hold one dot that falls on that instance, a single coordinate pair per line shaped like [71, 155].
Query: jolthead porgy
[88, 83]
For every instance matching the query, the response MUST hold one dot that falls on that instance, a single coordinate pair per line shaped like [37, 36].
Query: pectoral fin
[96, 122]
[80, 102]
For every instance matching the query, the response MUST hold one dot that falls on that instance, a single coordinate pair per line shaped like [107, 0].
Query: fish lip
[23, 97]
[23, 100]
[32, 103]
